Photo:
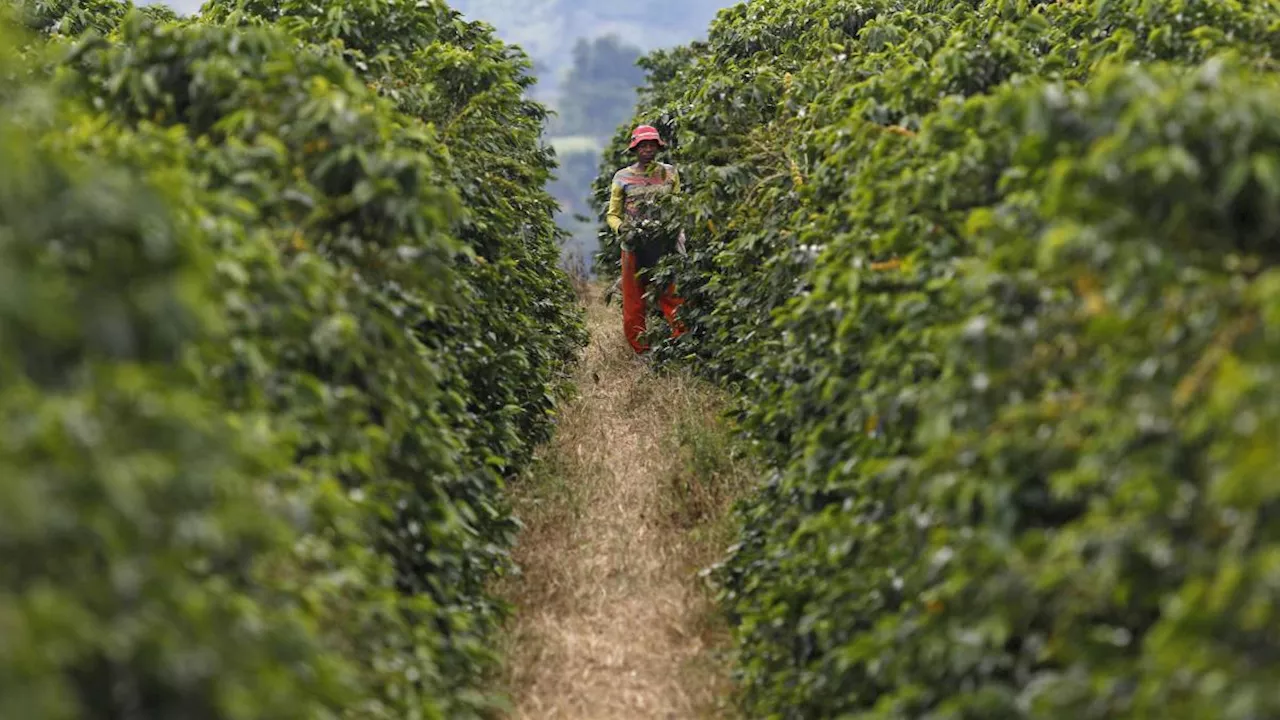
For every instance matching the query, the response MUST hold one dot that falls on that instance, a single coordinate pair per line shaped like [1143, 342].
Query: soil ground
[621, 512]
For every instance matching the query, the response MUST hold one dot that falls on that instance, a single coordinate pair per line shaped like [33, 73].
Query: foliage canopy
[280, 315]
[995, 281]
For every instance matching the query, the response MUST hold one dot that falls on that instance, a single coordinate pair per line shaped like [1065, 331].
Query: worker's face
[647, 151]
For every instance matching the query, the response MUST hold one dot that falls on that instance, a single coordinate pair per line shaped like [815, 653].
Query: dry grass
[611, 620]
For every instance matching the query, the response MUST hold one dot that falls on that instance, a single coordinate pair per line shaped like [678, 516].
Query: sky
[185, 7]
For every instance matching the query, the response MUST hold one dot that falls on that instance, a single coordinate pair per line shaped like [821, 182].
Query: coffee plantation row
[279, 314]
[996, 283]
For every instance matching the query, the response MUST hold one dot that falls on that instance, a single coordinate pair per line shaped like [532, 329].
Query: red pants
[633, 308]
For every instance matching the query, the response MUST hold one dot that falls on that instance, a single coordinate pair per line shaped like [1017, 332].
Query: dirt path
[611, 621]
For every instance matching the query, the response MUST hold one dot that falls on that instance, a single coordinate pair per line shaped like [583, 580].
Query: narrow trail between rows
[611, 621]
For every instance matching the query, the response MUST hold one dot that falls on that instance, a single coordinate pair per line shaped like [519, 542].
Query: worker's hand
[680, 244]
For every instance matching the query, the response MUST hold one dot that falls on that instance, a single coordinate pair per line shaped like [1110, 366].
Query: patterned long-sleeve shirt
[633, 186]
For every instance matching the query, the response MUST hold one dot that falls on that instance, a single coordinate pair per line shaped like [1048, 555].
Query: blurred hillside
[584, 54]
[549, 29]
[599, 94]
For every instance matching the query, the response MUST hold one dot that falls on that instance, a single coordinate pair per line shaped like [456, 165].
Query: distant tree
[541, 90]
[572, 184]
[599, 91]
[548, 29]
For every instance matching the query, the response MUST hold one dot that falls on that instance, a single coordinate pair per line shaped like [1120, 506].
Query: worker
[634, 189]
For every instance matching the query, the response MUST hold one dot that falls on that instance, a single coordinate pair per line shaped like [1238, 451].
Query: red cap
[645, 132]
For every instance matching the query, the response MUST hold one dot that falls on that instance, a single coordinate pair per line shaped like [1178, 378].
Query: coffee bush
[993, 281]
[275, 343]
